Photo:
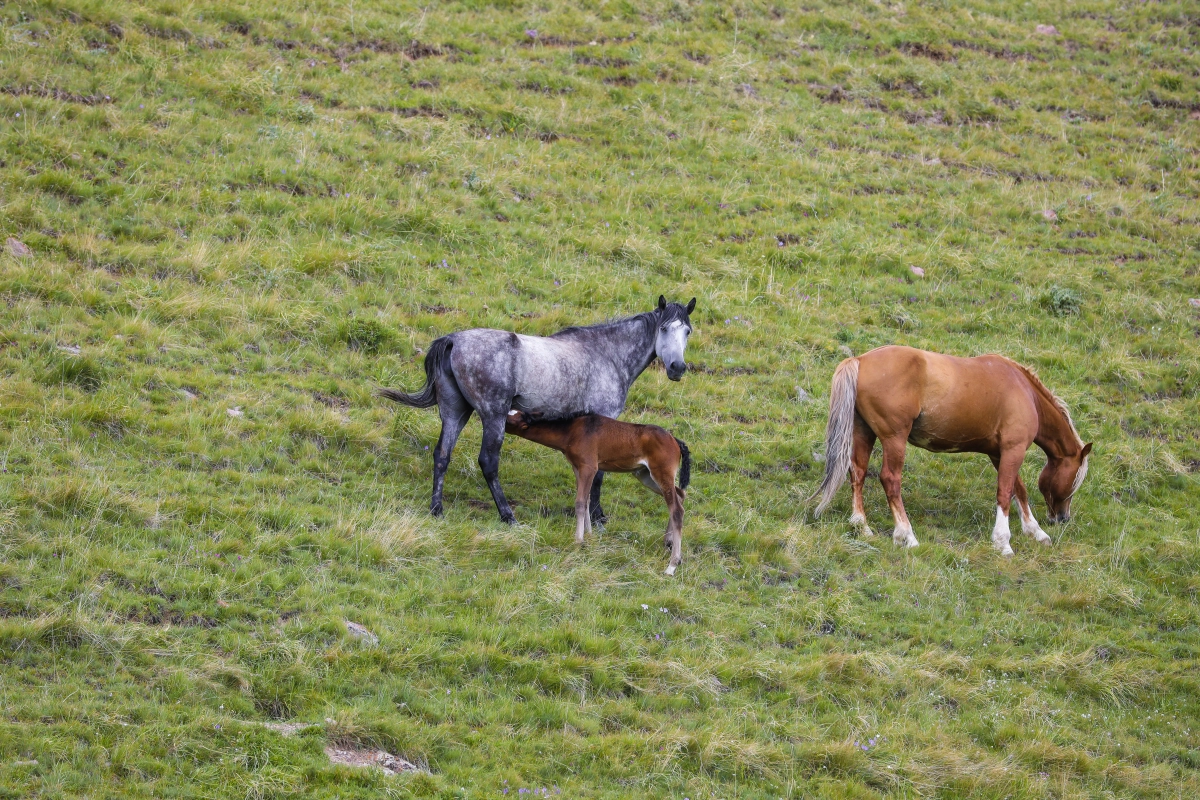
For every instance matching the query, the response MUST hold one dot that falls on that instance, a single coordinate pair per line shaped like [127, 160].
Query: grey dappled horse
[586, 370]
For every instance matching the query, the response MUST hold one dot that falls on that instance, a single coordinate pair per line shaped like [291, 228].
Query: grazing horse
[584, 370]
[593, 443]
[947, 404]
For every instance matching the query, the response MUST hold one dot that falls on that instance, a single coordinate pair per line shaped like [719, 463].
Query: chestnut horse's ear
[662, 302]
[691, 306]
[1087, 448]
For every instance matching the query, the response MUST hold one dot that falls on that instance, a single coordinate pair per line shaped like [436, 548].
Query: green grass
[275, 207]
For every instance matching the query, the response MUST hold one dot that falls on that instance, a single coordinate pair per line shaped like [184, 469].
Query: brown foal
[946, 404]
[594, 443]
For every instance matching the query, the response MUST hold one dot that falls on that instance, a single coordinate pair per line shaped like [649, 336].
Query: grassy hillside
[242, 217]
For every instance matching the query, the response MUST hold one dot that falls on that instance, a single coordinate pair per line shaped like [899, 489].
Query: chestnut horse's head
[1060, 479]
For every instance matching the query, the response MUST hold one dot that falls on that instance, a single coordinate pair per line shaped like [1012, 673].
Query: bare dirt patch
[380, 759]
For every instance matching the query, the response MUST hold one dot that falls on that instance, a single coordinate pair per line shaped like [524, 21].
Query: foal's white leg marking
[1030, 525]
[581, 520]
[1000, 534]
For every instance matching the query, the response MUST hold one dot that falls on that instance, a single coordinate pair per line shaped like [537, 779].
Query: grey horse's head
[670, 340]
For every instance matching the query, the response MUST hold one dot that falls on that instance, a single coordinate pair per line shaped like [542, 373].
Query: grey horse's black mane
[649, 319]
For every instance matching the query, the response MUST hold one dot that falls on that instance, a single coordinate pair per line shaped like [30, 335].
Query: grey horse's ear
[662, 302]
[691, 306]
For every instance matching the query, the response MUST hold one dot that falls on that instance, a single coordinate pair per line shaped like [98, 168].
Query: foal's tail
[427, 397]
[685, 464]
[839, 432]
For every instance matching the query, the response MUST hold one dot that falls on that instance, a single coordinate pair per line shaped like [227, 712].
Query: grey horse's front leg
[598, 515]
[489, 461]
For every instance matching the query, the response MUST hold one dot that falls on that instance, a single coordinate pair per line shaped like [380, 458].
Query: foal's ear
[691, 306]
[1087, 448]
[662, 302]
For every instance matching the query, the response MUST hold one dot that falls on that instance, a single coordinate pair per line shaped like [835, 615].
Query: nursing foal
[946, 404]
[593, 443]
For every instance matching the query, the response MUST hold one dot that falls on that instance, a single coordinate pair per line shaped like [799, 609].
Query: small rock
[818, 457]
[236, 411]
[188, 394]
[918, 271]
[73, 349]
[1047, 30]
[17, 248]
[801, 395]
[393, 763]
[284, 728]
[1050, 214]
[30, 762]
[846, 351]
[359, 632]
[747, 90]
[1194, 302]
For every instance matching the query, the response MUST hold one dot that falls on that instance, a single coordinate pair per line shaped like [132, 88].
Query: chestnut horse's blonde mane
[1054, 399]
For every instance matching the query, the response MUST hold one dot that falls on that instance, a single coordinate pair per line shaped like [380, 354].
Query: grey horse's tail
[685, 464]
[427, 397]
[839, 432]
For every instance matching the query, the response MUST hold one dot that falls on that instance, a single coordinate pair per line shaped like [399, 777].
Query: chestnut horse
[593, 443]
[946, 404]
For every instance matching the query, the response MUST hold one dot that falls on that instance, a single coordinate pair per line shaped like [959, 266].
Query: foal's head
[518, 421]
[1060, 479]
[674, 327]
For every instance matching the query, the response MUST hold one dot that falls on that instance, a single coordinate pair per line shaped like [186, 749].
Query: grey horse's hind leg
[598, 515]
[489, 461]
[454, 411]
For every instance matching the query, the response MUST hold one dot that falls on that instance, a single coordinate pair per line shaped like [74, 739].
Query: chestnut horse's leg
[889, 476]
[864, 443]
[1006, 476]
[584, 473]
[1029, 525]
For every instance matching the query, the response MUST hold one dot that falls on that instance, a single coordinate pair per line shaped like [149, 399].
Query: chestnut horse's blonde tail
[839, 432]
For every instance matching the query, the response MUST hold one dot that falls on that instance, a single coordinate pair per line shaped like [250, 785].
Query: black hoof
[509, 518]
[436, 510]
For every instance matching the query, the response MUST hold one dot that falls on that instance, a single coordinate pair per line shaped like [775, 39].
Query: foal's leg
[674, 527]
[1006, 476]
[489, 460]
[583, 486]
[664, 476]
[598, 515]
[889, 476]
[1029, 525]
[864, 443]
[454, 411]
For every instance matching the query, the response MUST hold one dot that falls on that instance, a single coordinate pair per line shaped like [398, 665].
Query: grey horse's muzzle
[676, 369]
